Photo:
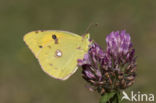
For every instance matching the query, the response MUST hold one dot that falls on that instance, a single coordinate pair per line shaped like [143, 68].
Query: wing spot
[58, 53]
[55, 38]
[36, 32]
[78, 47]
[49, 46]
[40, 46]
[50, 64]
[55, 68]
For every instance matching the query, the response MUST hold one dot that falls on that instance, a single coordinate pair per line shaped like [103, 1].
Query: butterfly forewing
[57, 55]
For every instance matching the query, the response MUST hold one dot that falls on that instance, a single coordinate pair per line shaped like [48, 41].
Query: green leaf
[106, 97]
[113, 97]
[119, 97]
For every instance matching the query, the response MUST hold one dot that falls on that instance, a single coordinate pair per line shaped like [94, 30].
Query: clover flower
[113, 69]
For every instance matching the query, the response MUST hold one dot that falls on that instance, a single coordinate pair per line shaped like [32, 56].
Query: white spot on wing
[58, 53]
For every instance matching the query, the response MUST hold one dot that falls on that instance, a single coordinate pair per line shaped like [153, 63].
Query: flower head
[112, 69]
[118, 43]
[120, 47]
[91, 63]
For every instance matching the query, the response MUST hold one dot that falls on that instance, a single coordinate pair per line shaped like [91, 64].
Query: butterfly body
[57, 51]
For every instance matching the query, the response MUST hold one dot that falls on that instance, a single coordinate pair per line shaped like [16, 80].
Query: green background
[22, 80]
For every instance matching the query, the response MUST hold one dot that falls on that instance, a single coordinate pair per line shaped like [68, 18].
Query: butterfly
[58, 51]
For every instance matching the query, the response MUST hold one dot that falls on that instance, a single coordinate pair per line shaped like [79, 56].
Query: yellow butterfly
[57, 51]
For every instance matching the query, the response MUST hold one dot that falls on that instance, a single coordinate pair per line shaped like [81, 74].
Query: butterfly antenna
[91, 25]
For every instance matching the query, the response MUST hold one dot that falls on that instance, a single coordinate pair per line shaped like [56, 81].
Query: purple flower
[120, 47]
[112, 69]
[118, 43]
[91, 63]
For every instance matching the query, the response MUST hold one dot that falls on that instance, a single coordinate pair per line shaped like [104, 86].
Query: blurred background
[21, 78]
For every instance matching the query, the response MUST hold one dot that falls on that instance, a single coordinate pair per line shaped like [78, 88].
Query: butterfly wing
[57, 58]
